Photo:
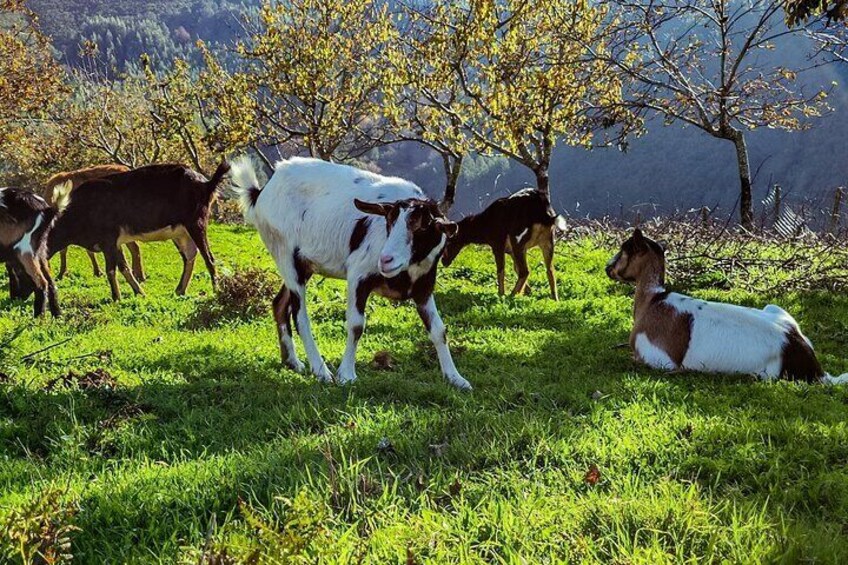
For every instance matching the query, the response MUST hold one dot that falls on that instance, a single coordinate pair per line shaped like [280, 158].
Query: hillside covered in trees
[669, 168]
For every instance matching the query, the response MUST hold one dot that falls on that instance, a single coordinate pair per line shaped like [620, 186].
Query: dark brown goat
[61, 184]
[151, 203]
[25, 221]
[513, 225]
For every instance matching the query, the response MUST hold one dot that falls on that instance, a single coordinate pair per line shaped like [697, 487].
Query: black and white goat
[513, 224]
[151, 203]
[381, 234]
[25, 221]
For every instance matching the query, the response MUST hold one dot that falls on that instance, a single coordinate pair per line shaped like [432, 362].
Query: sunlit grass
[692, 468]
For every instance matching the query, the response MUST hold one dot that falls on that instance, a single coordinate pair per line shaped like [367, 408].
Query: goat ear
[375, 208]
[447, 227]
[639, 241]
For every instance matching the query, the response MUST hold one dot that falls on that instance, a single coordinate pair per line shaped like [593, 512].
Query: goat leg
[137, 265]
[188, 252]
[52, 295]
[33, 269]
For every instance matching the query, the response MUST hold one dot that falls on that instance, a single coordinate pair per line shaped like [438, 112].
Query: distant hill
[125, 30]
[669, 169]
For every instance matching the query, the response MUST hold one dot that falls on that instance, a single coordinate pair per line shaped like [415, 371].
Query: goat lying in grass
[25, 221]
[152, 203]
[672, 331]
[60, 184]
[513, 225]
[381, 234]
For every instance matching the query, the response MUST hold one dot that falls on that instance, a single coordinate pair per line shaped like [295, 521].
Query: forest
[664, 166]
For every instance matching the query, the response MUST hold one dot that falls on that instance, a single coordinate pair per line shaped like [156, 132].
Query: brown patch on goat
[666, 328]
[12, 232]
[642, 261]
[798, 360]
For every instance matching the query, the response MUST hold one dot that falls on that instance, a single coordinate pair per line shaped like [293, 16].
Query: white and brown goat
[60, 185]
[380, 234]
[513, 224]
[673, 332]
[151, 203]
[25, 221]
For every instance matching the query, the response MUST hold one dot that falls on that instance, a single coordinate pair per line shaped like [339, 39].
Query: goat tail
[61, 195]
[831, 380]
[218, 177]
[560, 223]
[246, 185]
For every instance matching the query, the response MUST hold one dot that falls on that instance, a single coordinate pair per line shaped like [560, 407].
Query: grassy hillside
[205, 434]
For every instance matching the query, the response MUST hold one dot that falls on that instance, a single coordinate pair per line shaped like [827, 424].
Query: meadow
[193, 444]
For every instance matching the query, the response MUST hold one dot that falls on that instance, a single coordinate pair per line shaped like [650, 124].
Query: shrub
[227, 212]
[242, 295]
[40, 531]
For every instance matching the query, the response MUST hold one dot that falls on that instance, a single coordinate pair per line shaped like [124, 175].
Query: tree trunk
[746, 200]
[453, 166]
[543, 182]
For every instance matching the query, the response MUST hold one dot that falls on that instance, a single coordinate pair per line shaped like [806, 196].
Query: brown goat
[76, 178]
[512, 225]
[150, 203]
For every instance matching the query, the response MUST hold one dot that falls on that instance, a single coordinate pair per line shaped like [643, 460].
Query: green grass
[692, 468]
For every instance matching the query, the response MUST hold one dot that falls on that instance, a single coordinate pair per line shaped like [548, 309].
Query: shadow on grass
[237, 427]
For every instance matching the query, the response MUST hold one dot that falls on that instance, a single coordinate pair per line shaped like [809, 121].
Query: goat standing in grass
[672, 331]
[151, 203]
[25, 221]
[513, 224]
[60, 184]
[380, 234]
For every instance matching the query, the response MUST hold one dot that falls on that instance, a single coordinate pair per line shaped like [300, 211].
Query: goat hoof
[345, 377]
[324, 375]
[459, 382]
[297, 366]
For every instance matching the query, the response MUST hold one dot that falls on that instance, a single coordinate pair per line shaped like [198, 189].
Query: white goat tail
[560, 223]
[61, 196]
[246, 185]
[831, 380]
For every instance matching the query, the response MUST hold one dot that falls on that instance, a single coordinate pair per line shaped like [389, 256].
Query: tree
[30, 83]
[315, 75]
[229, 107]
[427, 109]
[800, 11]
[525, 73]
[30, 80]
[708, 64]
[175, 105]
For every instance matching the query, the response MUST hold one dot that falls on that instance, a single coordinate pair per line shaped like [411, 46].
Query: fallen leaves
[383, 361]
[98, 379]
[593, 475]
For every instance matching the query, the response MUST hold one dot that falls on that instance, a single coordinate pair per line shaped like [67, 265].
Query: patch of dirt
[383, 361]
[99, 379]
